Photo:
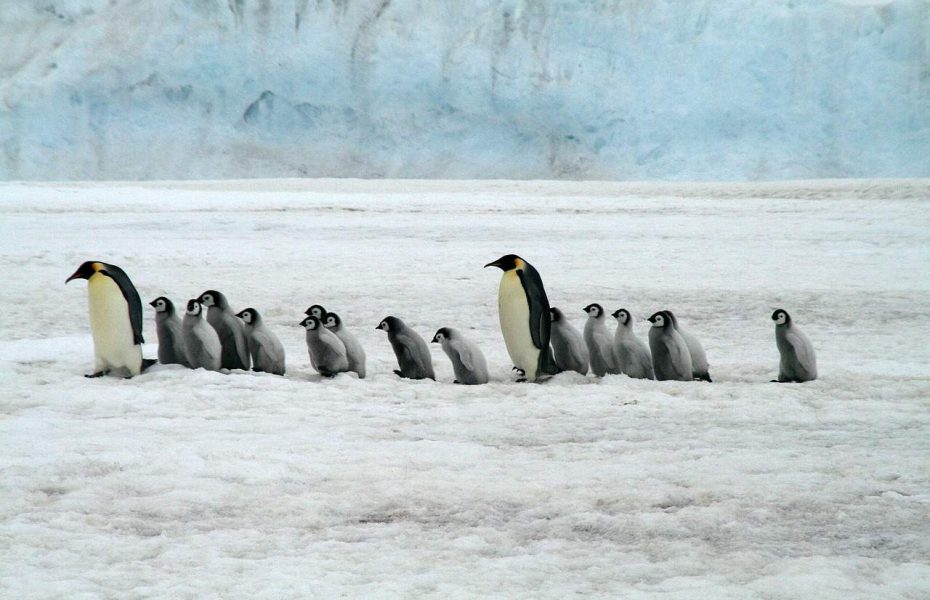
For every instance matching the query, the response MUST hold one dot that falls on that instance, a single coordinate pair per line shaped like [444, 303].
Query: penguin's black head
[659, 319]
[316, 311]
[311, 323]
[670, 317]
[594, 310]
[443, 333]
[622, 315]
[87, 270]
[213, 298]
[390, 324]
[249, 316]
[555, 315]
[781, 317]
[194, 307]
[332, 320]
[163, 305]
[508, 262]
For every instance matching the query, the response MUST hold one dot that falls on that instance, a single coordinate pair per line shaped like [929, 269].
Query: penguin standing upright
[115, 311]
[264, 346]
[798, 361]
[599, 342]
[699, 368]
[524, 316]
[230, 329]
[468, 362]
[327, 352]
[632, 354]
[202, 345]
[412, 353]
[571, 353]
[168, 327]
[670, 356]
[354, 351]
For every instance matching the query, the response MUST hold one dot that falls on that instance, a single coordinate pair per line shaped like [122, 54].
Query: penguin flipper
[132, 299]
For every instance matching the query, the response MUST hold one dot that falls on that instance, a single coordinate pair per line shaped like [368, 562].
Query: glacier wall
[600, 89]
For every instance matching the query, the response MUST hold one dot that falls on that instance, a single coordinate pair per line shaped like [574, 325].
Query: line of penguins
[539, 339]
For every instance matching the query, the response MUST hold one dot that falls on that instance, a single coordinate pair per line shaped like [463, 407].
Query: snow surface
[191, 484]
[632, 89]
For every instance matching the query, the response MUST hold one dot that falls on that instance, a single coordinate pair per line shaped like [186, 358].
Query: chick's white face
[781, 318]
[316, 312]
[659, 321]
[593, 311]
[440, 337]
[330, 321]
[623, 316]
[160, 306]
[247, 317]
[384, 326]
[194, 309]
[208, 300]
[310, 324]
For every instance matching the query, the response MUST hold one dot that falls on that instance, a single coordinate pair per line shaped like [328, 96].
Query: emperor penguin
[468, 363]
[354, 351]
[599, 341]
[632, 354]
[327, 352]
[202, 345]
[265, 348]
[798, 361]
[412, 353]
[168, 326]
[698, 358]
[523, 308]
[316, 310]
[115, 311]
[571, 353]
[229, 328]
[670, 356]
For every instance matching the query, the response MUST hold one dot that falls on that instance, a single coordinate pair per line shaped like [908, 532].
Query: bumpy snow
[632, 89]
[189, 484]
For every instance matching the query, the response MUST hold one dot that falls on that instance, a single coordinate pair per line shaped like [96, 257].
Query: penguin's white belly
[515, 324]
[114, 344]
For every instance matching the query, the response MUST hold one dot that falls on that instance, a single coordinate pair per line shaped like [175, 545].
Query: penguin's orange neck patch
[97, 266]
[518, 263]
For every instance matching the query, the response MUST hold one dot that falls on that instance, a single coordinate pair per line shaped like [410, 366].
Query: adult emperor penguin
[698, 357]
[265, 348]
[168, 326]
[115, 318]
[599, 341]
[230, 329]
[670, 356]
[468, 362]
[632, 354]
[327, 352]
[354, 351]
[798, 361]
[571, 353]
[202, 345]
[412, 353]
[523, 308]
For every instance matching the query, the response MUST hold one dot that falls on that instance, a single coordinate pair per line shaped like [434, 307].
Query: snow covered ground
[190, 484]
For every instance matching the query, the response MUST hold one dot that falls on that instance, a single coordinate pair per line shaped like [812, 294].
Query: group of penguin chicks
[241, 340]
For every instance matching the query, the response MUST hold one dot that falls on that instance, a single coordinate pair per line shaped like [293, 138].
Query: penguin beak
[496, 263]
[152, 303]
[435, 339]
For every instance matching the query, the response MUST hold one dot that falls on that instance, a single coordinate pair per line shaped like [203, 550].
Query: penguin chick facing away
[354, 351]
[670, 356]
[202, 345]
[265, 348]
[412, 353]
[168, 326]
[523, 308]
[229, 328]
[632, 354]
[798, 361]
[115, 311]
[698, 358]
[327, 352]
[468, 363]
[599, 341]
[571, 353]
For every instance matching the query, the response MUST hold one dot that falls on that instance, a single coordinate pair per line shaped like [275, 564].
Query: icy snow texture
[745, 89]
[182, 484]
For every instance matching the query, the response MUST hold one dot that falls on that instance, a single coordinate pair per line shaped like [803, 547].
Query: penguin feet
[398, 373]
[519, 371]
[457, 381]
[97, 374]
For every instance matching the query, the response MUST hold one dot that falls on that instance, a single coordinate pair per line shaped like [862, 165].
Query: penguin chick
[698, 358]
[316, 310]
[168, 326]
[571, 353]
[798, 361]
[327, 352]
[202, 345]
[599, 342]
[523, 308]
[229, 328]
[412, 353]
[468, 363]
[632, 354]
[115, 311]
[265, 348]
[670, 357]
[354, 351]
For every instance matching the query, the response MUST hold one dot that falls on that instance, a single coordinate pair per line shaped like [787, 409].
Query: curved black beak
[152, 303]
[496, 263]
